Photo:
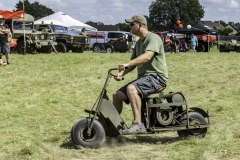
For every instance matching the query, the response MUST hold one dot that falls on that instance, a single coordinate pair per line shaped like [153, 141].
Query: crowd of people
[174, 45]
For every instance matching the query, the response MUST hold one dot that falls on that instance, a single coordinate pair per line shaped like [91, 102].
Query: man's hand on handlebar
[118, 77]
[122, 67]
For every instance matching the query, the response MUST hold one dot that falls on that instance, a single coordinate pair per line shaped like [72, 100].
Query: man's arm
[143, 58]
[131, 65]
[4, 31]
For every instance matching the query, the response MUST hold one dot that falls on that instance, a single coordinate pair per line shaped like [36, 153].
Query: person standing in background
[4, 31]
[194, 42]
[83, 32]
[173, 43]
[130, 43]
[167, 43]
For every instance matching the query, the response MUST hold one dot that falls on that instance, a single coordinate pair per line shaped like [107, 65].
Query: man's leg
[118, 98]
[194, 51]
[7, 57]
[135, 101]
[6, 49]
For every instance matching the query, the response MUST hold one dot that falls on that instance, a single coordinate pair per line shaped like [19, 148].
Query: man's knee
[119, 96]
[131, 89]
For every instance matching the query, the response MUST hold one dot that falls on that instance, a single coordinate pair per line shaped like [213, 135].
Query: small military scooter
[159, 114]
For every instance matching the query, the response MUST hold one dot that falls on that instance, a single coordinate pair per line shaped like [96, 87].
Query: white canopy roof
[60, 18]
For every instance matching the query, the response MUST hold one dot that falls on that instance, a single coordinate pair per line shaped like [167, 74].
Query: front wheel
[195, 118]
[222, 49]
[80, 136]
[20, 48]
[61, 47]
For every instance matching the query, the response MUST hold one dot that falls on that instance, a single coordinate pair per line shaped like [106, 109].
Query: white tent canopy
[60, 18]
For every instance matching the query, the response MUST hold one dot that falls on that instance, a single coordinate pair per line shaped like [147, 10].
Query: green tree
[94, 23]
[163, 14]
[225, 32]
[123, 27]
[35, 9]
[224, 24]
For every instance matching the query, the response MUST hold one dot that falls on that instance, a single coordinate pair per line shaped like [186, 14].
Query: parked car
[65, 41]
[230, 46]
[100, 40]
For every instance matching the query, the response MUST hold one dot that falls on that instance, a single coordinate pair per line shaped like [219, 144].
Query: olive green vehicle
[65, 40]
[34, 40]
[231, 46]
[165, 112]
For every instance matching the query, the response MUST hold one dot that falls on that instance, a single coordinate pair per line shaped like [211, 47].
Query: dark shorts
[145, 86]
[4, 48]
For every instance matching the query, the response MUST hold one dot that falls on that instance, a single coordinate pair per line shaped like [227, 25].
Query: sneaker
[135, 128]
[3, 64]
[8, 63]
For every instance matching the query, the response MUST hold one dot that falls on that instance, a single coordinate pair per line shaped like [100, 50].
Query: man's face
[134, 26]
[2, 20]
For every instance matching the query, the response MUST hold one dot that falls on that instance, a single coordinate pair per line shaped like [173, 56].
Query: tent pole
[24, 36]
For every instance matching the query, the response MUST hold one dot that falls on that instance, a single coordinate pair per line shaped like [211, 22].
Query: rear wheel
[109, 49]
[96, 48]
[195, 118]
[80, 136]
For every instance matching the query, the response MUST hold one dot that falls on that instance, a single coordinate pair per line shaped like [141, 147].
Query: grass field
[43, 95]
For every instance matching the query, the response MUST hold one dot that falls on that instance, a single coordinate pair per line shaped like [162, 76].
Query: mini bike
[166, 112]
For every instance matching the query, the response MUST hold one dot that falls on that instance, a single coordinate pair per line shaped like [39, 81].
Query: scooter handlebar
[115, 76]
[127, 67]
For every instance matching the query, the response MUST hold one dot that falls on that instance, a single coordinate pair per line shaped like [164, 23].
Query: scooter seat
[160, 90]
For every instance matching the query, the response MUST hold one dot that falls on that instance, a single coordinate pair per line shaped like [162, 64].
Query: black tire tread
[187, 133]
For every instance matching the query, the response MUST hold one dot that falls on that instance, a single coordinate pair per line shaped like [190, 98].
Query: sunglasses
[132, 24]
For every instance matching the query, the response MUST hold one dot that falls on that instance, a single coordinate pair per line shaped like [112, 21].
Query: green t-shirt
[157, 65]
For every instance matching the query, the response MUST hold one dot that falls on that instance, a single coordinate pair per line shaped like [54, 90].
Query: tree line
[163, 15]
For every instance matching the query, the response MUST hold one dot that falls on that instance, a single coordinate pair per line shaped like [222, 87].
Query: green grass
[43, 95]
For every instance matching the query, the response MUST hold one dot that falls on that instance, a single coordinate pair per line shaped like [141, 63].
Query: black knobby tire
[238, 49]
[96, 48]
[20, 47]
[61, 47]
[222, 49]
[109, 49]
[194, 118]
[81, 49]
[79, 133]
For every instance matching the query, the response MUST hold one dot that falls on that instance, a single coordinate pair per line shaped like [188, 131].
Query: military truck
[34, 40]
[231, 46]
[65, 40]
